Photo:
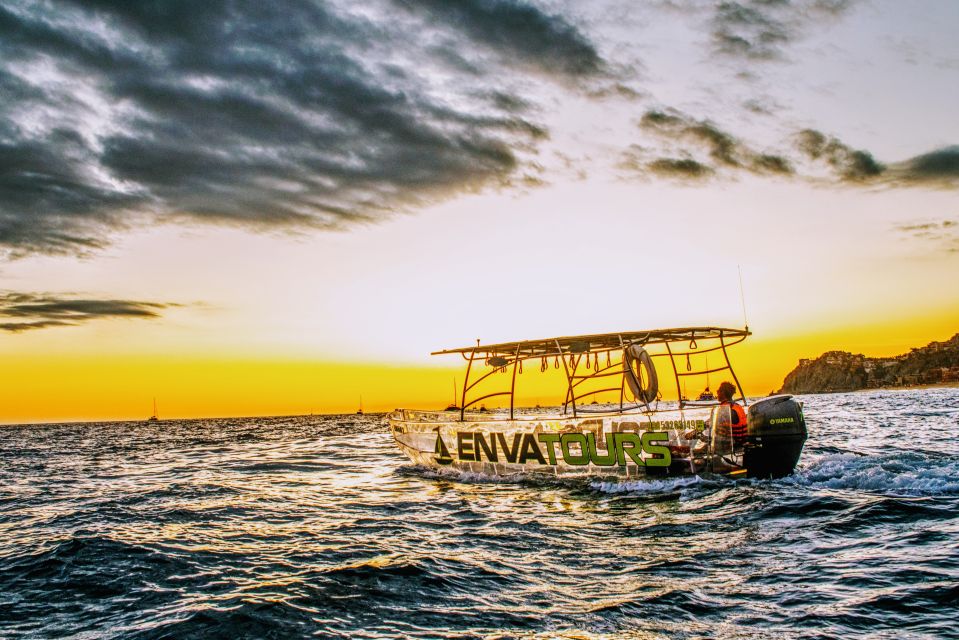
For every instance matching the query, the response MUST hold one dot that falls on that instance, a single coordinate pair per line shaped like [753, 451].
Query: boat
[359, 411]
[706, 395]
[635, 433]
[155, 417]
[453, 406]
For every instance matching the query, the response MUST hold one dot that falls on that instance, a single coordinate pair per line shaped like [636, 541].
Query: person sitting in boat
[737, 414]
[737, 422]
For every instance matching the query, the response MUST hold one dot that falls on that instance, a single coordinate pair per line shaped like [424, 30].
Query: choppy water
[291, 527]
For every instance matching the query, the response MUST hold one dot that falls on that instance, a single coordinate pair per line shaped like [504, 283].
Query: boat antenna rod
[742, 296]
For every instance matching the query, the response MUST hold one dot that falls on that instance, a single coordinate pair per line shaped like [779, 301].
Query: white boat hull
[617, 444]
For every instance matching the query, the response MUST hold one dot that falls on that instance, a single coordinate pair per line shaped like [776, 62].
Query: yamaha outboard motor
[774, 440]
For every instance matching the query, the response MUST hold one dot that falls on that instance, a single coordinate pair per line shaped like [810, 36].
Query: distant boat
[155, 417]
[453, 406]
[706, 395]
[359, 411]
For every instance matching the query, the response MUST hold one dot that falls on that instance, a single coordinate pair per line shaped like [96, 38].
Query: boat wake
[905, 474]
[651, 487]
[642, 486]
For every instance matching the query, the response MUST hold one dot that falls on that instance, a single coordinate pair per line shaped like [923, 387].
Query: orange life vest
[739, 422]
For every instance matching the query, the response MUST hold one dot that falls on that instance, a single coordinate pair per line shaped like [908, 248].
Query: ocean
[318, 527]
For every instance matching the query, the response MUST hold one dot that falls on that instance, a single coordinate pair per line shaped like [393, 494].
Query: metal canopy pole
[622, 374]
[742, 393]
[679, 390]
[466, 382]
[569, 380]
[512, 388]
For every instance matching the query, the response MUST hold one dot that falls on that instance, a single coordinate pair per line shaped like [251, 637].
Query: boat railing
[576, 351]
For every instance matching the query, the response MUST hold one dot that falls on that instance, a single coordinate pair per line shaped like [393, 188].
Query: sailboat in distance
[359, 411]
[155, 417]
[453, 406]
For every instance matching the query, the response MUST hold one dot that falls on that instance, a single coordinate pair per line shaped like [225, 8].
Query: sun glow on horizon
[53, 387]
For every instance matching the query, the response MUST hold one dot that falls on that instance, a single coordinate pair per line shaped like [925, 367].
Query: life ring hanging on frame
[636, 358]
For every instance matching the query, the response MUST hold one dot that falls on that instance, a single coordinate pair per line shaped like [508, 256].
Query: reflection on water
[292, 527]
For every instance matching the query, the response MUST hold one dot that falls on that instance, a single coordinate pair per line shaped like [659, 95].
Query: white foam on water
[892, 474]
[612, 486]
[460, 475]
[645, 487]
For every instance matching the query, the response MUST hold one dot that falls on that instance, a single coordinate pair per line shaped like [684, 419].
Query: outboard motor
[775, 437]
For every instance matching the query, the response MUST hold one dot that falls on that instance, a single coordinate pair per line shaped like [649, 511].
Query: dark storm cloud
[115, 115]
[518, 29]
[30, 311]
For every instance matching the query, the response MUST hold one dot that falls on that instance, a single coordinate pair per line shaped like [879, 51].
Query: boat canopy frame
[512, 354]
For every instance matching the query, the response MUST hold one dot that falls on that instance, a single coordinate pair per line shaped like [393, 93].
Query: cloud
[759, 30]
[701, 150]
[851, 165]
[517, 29]
[30, 311]
[941, 234]
[280, 114]
[939, 168]
[685, 168]
[748, 29]
[693, 150]
[927, 226]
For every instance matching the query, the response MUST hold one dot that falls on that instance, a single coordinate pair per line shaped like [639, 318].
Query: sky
[244, 208]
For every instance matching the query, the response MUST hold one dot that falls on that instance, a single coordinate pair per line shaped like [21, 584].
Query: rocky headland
[834, 371]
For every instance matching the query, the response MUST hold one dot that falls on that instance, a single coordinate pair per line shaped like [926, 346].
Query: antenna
[742, 297]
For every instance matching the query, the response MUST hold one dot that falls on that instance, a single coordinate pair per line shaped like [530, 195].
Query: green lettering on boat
[607, 460]
[629, 444]
[568, 456]
[660, 456]
[550, 440]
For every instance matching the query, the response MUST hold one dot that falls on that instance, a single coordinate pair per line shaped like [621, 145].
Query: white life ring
[634, 355]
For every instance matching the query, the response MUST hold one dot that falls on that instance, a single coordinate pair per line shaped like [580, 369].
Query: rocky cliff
[935, 363]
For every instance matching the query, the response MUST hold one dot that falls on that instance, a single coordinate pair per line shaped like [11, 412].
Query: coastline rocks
[834, 371]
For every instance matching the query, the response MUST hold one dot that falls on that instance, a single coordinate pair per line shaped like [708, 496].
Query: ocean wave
[299, 527]
[905, 474]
